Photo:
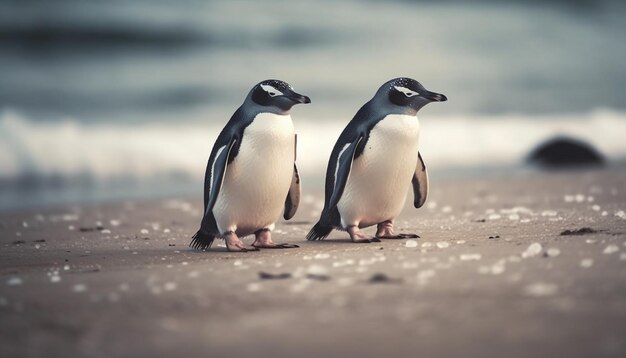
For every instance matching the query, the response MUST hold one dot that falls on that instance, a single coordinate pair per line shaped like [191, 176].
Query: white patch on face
[273, 92]
[407, 92]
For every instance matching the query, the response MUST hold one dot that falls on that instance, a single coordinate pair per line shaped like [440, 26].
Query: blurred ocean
[105, 100]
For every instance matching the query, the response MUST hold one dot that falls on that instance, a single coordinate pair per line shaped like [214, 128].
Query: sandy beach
[495, 273]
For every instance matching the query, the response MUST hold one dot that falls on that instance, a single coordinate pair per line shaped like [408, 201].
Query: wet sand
[491, 275]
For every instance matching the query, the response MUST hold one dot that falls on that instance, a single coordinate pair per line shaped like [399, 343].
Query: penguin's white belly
[256, 183]
[381, 177]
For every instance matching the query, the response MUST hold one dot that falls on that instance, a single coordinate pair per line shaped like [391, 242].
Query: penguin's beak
[433, 97]
[298, 98]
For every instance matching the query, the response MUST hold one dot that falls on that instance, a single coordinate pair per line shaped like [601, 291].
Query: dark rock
[90, 229]
[565, 152]
[318, 277]
[382, 278]
[274, 276]
[581, 231]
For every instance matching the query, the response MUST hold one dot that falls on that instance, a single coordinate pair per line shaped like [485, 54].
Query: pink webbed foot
[359, 237]
[385, 231]
[233, 244]
[263, 240]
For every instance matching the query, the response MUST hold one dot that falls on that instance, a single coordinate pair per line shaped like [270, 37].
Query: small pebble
[79, 287]
[410, 243]
[274, 276]
[442, 244]
[382, 278]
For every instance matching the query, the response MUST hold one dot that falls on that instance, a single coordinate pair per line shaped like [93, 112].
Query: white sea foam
[108, 151]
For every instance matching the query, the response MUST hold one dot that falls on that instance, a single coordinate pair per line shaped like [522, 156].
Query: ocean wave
[72, 151]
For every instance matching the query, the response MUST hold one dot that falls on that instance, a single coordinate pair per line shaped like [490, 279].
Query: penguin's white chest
[381, 177]
[256, 183]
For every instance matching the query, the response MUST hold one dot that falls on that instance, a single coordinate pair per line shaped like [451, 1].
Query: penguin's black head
[408, 93]
[277, 95]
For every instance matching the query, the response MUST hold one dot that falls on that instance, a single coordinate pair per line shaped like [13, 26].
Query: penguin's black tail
[319, 232]
[201, 240]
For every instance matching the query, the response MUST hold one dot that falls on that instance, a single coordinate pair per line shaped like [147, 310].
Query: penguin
[374, 163]
[251, 175]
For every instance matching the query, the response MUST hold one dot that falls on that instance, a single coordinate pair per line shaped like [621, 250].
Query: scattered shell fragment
[541, 289]
[410, 243]
[470, 257]
[586, 263]
[552, 252]
[610, 249]
[14, 281]
[253, 287]
[533, 250]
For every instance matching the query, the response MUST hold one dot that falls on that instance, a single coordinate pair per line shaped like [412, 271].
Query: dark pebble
[274, 276]
[318, 277]
[382, 278]
[90, 229]
[581, 231]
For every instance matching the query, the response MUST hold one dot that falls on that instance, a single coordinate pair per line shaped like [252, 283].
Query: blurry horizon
[110, 93]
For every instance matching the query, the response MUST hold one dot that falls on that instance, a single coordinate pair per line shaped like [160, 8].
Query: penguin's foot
[233, 244]
[263, 239]
[359, 237]
[385, 231]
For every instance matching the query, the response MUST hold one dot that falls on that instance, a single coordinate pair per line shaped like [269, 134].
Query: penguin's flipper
[343, 165]
[420, 183]
[293, 196]
[215, 173]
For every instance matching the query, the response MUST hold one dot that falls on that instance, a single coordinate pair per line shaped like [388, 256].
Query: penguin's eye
[271, 91]
[407, 92]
